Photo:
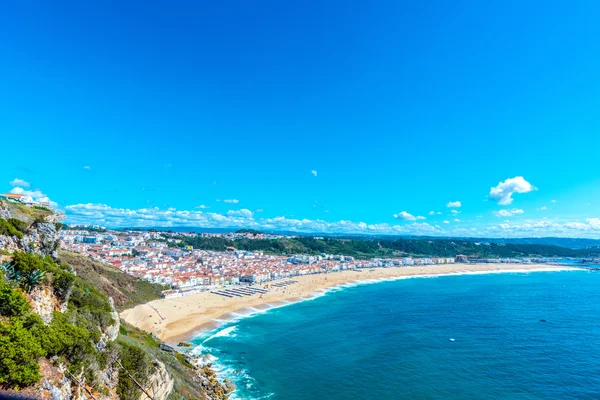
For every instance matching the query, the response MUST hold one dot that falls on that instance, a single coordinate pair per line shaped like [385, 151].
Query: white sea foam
[227, 332]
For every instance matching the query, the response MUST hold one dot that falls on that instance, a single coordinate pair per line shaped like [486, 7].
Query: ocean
[488, 336]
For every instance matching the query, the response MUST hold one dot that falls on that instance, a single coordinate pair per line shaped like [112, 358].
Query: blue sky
[154, 114]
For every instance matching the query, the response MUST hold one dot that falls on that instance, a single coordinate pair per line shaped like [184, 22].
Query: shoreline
[181, 319]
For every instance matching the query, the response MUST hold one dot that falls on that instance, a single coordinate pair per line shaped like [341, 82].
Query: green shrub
[19, 352]
[108, 355]
[60, 337]
[89, 307]
[29, 270]
[8, 229]
[135, 361]
[19, 225]
[12, 303]
[62, 283]
[27, 262]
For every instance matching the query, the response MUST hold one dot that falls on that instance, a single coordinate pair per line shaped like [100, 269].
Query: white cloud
[593, 222]
[456, 220]
[455, 212]
[508, 213]
[231, 201]
[87, 167]
[431, 213]
[552, 201]
[543, 208]
[33, 195]
[546, 227]
[19, 182]
[454, 204]
[244, 212]
[407, 217]
[154, 217]
[502, 193]
[259, 210]
[202, 206]
[314, 172]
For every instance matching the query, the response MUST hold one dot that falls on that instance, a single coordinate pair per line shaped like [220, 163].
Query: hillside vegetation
[85, 336]
[126, 290]
[369, 248]
[70, 335]
[60, 333]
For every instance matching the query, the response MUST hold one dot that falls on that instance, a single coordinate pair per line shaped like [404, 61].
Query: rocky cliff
[160, 383]
[40, 235]
[76, 345]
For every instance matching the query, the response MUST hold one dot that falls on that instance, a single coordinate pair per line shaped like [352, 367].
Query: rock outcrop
[41, 237]
[4, 212]
[207, 377]
[112, 332]
[55, 385]
[160, 384]
[43, 302]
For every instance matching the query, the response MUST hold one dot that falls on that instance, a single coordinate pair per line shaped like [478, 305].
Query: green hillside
[369, 248]
[126, 290]
[85, 336]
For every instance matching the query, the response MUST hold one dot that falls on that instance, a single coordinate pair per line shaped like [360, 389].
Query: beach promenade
[179, 319]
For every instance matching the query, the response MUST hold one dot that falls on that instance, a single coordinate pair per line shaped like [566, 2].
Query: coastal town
[156, 257]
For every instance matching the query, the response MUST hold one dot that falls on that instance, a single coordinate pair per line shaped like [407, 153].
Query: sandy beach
[179, 319]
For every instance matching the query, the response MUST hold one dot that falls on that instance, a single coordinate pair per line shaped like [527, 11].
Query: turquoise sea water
[391, 340]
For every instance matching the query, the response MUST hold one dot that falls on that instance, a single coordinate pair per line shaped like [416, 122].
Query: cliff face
[44, 303]
[41, 237]
[71, 300]
[160, 383]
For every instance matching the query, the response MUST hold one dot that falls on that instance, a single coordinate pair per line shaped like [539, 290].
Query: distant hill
[571, 243]
[385, 247]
